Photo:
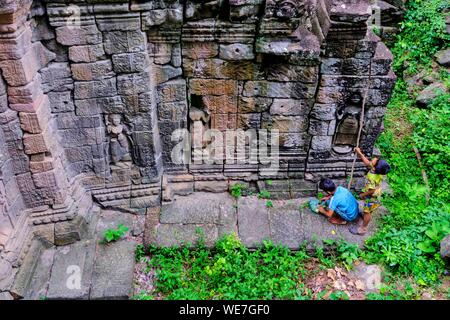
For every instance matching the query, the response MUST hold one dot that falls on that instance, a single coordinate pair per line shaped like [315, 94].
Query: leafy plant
[229, 271]
[396, 290]
[434, 234]
[112, 235]
[269, 204]
[325, 261]
[345, 252]
[264, 194]
[338, 295]
[143, 296]
[237, 189]
[139, 252]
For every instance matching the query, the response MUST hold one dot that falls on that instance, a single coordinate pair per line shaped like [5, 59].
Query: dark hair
[327, 185]
[382, 167]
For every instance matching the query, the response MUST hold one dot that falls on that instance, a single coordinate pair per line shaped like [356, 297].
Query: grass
[399, 242]
[228, 271]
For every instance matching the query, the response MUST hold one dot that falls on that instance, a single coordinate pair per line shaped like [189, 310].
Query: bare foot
[358, 230]
[337, 220]
[362, 231]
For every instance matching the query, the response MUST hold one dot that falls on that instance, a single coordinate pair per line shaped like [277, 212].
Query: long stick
[361, 122]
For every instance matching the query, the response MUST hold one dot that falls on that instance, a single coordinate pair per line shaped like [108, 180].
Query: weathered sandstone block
[94, 89]
[92, 71]
[213, 87]
[87, 53]
[124, 41]
[82, 35]
[130, 62]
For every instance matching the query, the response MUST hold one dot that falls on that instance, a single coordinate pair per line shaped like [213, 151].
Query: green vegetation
[229, 271]
[339, 295]
[422, 35]
[344, 252]
[320, 196]
[237, 189]
[140, 252]
[264, 194]
[408, 238]
[112, 235]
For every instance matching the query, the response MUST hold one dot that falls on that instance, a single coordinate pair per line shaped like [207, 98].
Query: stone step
[112, 277]
[286, 222]
[180, 220]
[34, 271]
[39, 281]
[72, 271]
[87, 269]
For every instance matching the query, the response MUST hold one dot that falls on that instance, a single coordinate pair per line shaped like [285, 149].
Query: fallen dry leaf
[331, 274]
[360, 285]
[339, 285]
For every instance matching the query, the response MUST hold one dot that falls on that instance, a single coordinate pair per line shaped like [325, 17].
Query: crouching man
[339, 205]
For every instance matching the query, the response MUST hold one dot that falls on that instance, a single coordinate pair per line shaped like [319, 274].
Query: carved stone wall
[91, 92]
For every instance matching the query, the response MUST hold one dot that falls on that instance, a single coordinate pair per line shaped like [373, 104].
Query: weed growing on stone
[237, 189]
[112, 235]
[264, 194]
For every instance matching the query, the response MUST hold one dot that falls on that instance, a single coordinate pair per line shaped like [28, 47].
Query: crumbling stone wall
[92, 90]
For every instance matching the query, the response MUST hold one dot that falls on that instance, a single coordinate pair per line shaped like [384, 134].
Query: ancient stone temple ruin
[95, 93]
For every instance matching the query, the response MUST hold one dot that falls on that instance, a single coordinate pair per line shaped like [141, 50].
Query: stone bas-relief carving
[119, 139]
[88, 103]
[346, 137]
[200, 123]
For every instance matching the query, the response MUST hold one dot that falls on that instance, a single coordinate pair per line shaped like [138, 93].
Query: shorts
[370, 205]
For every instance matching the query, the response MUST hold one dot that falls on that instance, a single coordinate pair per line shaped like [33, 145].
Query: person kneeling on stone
[339, 205]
